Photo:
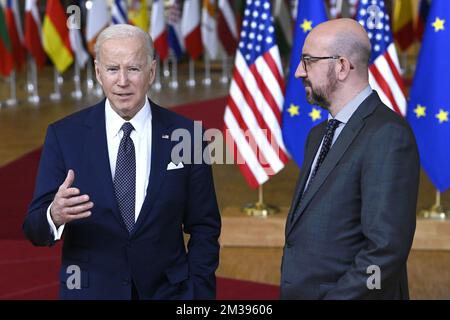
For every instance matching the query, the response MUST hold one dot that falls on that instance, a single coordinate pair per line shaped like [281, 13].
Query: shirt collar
[114, 122]
[347, 111]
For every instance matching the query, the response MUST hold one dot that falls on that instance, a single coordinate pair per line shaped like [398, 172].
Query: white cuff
[57, 233]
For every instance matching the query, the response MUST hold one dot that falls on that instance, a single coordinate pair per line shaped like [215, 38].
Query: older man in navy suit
[353, 217]
[107, 183]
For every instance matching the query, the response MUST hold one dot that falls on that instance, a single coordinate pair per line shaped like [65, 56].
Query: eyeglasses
[307, 60]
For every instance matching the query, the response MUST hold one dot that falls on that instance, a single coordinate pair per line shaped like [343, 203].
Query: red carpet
[28, 272]
[16, 187]
[232, 289]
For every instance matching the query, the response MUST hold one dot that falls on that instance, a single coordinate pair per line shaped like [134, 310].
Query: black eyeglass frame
[308, 59]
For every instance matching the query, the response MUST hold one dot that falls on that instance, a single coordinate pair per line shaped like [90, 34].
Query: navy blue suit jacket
[358, 214]
[154, 256]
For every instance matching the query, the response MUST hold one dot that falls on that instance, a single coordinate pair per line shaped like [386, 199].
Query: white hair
[124, 31]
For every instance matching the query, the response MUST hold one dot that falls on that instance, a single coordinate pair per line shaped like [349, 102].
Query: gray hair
[124, 31]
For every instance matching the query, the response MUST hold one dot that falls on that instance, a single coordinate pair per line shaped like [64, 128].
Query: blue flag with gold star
[429, 106]
[298, 115]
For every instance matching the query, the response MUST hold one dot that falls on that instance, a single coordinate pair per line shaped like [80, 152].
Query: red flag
[15, 33]
[227, 27]
[190, 28]
[33, 32]
[158, 30]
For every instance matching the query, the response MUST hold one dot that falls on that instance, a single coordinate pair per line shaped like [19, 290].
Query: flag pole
[174, 82]
[224, 77]
[436, 212]
[207, 79]
[157, 84]
[12, 101]
[260, 194]
[89, 79]
[404, 67]
[260, 209]
[56, 95]
[32, 85]
[77, 93]
[166, 71]
[191, 81]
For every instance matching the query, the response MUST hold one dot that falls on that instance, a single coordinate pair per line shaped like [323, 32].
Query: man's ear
[344, 66]
[152, 71]
[97, 72]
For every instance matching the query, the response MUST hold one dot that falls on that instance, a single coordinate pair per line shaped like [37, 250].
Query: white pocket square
[173, 166]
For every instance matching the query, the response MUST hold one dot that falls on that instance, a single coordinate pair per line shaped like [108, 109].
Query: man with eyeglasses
[352, 220]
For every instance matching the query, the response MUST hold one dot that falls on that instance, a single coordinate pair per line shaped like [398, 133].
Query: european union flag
[298, 115]
[428, 110]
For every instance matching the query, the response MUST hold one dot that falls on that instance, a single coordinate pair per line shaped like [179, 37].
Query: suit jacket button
[288, 244]
[126, 282]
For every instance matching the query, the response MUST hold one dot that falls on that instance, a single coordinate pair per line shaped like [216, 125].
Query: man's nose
[123, 78]
[300, 72]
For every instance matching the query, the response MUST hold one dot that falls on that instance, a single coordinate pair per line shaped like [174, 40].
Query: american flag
[253, 112]
[384, 70]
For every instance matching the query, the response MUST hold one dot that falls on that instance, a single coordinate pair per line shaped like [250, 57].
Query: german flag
[55, 35]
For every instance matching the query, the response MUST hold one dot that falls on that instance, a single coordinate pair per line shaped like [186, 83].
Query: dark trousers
[134, 292]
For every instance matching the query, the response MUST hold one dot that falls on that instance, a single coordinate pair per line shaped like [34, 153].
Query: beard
[320, 96]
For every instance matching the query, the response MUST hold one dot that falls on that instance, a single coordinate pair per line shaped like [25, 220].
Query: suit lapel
[348, 134]
[98, 159]
[161, 149]
[306, 169]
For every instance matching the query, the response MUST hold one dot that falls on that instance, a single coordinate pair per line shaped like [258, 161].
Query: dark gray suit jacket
[359, 211]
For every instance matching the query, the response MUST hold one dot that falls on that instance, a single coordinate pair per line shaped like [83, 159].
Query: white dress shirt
[142, 140]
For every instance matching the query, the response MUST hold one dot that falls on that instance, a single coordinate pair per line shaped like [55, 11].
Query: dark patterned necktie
[326, 145]
[125, 177]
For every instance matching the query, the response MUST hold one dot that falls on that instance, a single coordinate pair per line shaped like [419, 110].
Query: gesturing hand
[68, 205]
